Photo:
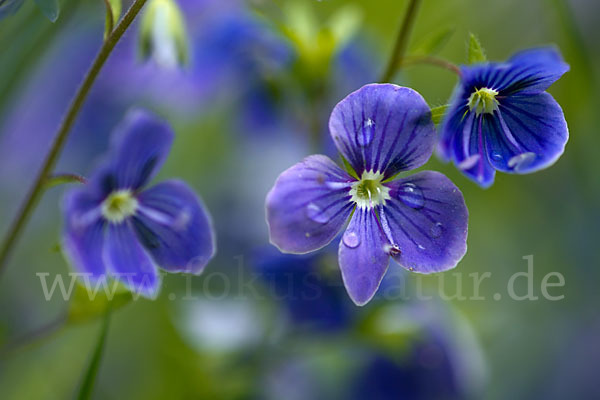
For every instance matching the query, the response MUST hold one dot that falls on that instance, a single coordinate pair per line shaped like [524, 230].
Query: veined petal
[83, 233]
[308, 205]
[532, 71]
[128, 262]
[426, 219]
[362, 256]
[463, 141]
[383, 127]
[174, 227]
[141, 144]
[528, 133]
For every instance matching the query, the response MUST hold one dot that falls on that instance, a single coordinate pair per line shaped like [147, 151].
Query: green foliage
[90, 303]
[435, 41]
[317, 42]
[50, 8]
[476, 54]
[87, 384]
[437, 113]
[163, 30]
[113, 12]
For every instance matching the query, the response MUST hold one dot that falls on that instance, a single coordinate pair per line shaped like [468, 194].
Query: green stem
[63, 132]
[401, 41]
[87, 385]
[432, 60]
[42, 333]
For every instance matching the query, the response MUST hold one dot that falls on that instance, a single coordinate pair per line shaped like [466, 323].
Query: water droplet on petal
[521, 161]
[351, 239]
[469, 162]
[496, 156]
[315, 213]
[411, 195]
[392, 249]
[436, 230]
[421, 247]
[365, 135]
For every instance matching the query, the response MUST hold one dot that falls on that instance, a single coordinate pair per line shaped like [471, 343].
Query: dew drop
[421, 247]
[411, 195]
[315, 213]
[469, 162]
[351, 239]
[436, 230]
[521, 161]
[496, 156]
[365, 135]
[392, 249]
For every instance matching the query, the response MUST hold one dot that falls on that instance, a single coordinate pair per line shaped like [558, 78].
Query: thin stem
[39, 334]
[401, 41]
[89, 379]
[63, 132]
[433, 60]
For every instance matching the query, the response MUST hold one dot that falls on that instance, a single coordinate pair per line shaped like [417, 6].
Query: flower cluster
[500, 118]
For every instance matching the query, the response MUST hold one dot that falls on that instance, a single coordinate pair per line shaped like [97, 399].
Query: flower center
[369, 192]
[119, 205]
[483, 101]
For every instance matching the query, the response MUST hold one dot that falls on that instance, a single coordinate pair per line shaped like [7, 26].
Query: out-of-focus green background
[228, 334]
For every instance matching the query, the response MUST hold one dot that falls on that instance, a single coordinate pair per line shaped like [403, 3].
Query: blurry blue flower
[502, 119]
[9, 7]
[421, 220]
[311, 300]
[114, 227]
[425, 373]
[422, 350]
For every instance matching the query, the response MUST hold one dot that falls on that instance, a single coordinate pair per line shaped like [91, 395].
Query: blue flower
[420, 220]
[502, 119]
[114, 227]
[311, 300]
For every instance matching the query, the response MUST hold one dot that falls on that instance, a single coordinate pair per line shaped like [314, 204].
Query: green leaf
[62, 179]
[50, 8]
[87, 384]
[113, 13]
[437, 113]
[476, 53]
[93, 300]
[344, 24]
[435, 41]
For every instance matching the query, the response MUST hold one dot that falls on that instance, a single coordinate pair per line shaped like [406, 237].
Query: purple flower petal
[463, 140]
[533, 71]
[529, 71]
[141, 145]
[174, 227]
[127, 261]
[308, 205]
[383, 128]
[362, 256]
[529, 133]
[427, 219]
[83, 233]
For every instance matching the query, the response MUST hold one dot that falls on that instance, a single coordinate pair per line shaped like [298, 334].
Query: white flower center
[483, 101]
[119, 205]
[369, 192]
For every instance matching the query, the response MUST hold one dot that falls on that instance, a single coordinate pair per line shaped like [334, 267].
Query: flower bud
[163, 34]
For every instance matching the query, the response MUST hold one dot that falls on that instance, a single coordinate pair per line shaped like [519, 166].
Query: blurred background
[252, 99]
